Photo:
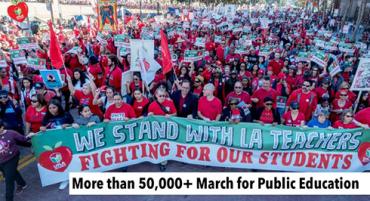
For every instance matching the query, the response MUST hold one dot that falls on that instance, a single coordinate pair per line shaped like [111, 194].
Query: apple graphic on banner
[57, 159]
[364, 153]
[18, 12]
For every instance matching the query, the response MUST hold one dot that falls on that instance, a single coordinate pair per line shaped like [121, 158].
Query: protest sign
[36, 63]
[361, 81]
[127, 77]
[51, 79]
[108, 146]
[319, 58]
[200, 42]
[303, 56]
[18, 57]
[101, 38]
[123, 51]
[122, 40]
[3, 62]
[26, 43]
[107, 15]
[192, 55]
[347, 48]
[135, 46]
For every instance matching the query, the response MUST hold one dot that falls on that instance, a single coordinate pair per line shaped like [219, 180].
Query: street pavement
[35, 192]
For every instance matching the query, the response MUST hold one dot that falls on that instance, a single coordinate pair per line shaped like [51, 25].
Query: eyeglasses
[34, 101]
[349, 116]
[3, 97]
[232, 103]
[197, 81]
[305, 85]
[268, 104]
[237, 87]
[161, 96]
[343, 94]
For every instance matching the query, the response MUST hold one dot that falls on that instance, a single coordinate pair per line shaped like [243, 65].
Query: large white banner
[135, 45]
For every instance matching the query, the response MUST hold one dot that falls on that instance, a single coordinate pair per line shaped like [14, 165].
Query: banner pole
[357, 101]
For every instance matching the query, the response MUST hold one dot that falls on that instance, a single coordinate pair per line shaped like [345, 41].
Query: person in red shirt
[362, 118]
[162, 106]
[346, 121]
[113, 74]
[209, 106]
[86, 95]
[293, 117]
[135, 83]
[277, 64]
[265, 91]
[324, 89]
[340, 105]
[119, 111]
[239, 94]
[140, 102]
[306, 98]
[345, 87]
[267, 114]
[35, 114]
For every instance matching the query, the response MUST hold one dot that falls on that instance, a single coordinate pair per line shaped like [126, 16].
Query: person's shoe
[20, 188]
[162, 168]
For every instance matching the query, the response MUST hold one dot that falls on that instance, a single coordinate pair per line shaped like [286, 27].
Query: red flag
[54, 49]
[167, 62]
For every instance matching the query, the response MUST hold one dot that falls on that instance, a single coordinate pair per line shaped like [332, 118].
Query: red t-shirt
[276, 66]
[244, 96]
[363, 116]
[157, 110]
[307, 102]
[210, 109]
[35, 117]
[267, 117]
[289, 121]
[119, 114]
[84, 99]
[115, 78]
[335, 106]
[262, 93]
[139, 106]
[340, 124]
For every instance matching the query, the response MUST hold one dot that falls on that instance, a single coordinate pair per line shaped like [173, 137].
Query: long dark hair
[59, 106]
[83, 77]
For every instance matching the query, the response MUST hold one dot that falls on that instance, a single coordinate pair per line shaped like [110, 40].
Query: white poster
[135, 45]
[361, 82]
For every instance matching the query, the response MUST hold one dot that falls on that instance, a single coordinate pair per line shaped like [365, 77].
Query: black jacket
[226, 115]
[190, 105]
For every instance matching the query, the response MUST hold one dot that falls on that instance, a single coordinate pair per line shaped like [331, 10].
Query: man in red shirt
[113, 75]
[277, 64]
[265, 91]
[239, 94]
[119, 111]
[209, 106]
[306, 98]
[162, 106]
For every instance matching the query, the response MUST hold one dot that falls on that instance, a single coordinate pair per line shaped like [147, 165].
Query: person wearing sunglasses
[10, 112]
[306, 99]
[293, 117]
[35, 113]
[267, 114]
[346, 121]
[162, 106]
[340, 105]
[345, 87]
[233, 114]
[198, 86]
